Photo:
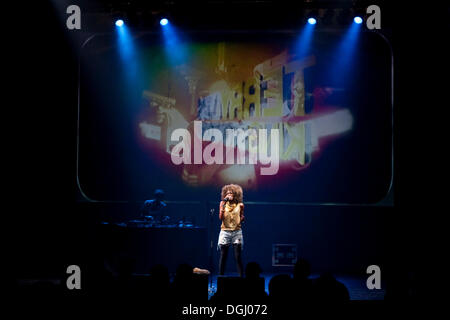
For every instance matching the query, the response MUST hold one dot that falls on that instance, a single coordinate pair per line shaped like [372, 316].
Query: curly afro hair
[236, 189]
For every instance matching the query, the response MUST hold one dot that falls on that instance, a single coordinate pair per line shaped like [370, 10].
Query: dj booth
[147, 245]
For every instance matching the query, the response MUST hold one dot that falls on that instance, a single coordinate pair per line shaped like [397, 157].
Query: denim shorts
[230, 237]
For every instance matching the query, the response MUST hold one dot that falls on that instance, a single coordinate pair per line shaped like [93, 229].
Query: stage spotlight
[312, 21]
[163, 21]
[358, 20]
[119, 23]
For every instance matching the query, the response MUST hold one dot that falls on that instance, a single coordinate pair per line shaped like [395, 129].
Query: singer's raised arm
[221, 209]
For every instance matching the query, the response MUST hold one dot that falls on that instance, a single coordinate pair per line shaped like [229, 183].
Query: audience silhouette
[254, 283]
[302, 283]
[327, 289]
[285, 291]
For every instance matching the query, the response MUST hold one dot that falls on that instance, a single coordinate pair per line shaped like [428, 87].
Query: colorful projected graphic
[240, 88]
[289, 120]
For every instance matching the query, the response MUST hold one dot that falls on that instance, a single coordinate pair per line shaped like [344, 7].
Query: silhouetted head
[252, 270]
[184, 272]
[302, 269]
[159, 194]
[280, 286]
[327, 288]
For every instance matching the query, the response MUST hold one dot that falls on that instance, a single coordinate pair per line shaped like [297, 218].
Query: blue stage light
[346, 56]
[312, 21]
[119, 23]
[358, 20]
[163, 21]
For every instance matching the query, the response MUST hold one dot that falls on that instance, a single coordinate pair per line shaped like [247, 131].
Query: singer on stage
[232, 215]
